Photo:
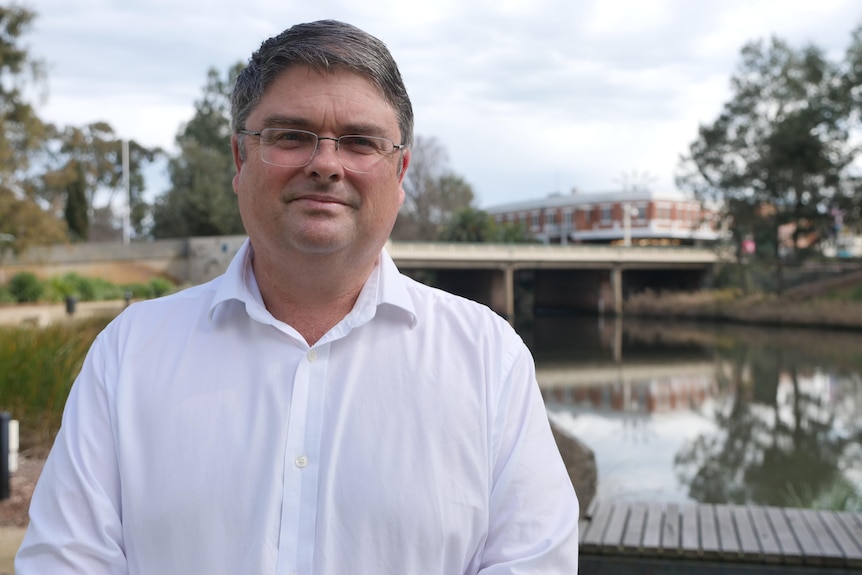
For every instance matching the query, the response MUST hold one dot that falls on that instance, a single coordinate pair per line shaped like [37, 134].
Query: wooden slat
[728, 541]
[631, 542]
[651, 543]
[670, 531]
[591, 538]
[790, 551]
[727, 533]
[851, 541]
[749, 545]
[770, 547]
[614, 533]
[829, 549]
[807, 541]
[591, 509]
[690, 532]
[708, 533]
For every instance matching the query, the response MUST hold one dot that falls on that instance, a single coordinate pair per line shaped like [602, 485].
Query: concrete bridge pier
[617, 289]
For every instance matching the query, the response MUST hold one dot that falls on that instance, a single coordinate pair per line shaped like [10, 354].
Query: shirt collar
[384, 287]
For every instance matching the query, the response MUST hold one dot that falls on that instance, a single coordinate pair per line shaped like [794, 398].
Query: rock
[580, 462]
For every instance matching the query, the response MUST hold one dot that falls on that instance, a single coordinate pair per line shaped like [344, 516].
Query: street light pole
[127, 212]
[627, 224]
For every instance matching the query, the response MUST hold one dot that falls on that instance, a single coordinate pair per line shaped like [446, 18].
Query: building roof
[576, 199]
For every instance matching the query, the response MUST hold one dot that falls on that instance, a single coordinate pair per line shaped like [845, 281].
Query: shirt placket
[302, 464]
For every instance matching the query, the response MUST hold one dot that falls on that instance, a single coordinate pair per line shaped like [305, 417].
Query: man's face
[320, 208]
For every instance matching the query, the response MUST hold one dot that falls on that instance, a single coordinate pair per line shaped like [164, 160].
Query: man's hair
[323, 46]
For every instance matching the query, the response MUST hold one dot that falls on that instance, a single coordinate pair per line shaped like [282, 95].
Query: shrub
[138, 290]
[25, 287]
[6, 295]
[160, 287]
[39, 368]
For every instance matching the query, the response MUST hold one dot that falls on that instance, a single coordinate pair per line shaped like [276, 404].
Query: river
[713, 413]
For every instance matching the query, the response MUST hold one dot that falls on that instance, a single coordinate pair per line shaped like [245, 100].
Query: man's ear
[238, 151]
[402, 166]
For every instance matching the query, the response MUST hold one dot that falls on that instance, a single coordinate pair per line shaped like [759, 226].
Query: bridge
[585, 277]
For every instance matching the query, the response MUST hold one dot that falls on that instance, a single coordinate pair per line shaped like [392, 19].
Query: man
[311, 411]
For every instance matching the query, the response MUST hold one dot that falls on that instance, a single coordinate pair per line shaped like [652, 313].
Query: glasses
[296, 148]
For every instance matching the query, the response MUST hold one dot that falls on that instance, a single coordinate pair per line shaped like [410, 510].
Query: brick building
[641, 217]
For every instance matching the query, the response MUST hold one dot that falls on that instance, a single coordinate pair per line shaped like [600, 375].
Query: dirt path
[13, 511]
[10, 540]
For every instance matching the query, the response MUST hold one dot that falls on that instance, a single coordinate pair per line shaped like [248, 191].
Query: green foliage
[84, 162]
[6, 295]
[76, 206]
[852, 293]
[201, 201]
[840, 495]
[160, 286]
[25, 287]
[20, 128]
[22, 135]
[433, 194]
[474, 225]
[780, 152]
[82, 288]
[37, 368]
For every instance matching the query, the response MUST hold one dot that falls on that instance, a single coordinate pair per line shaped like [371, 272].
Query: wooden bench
[623, 538]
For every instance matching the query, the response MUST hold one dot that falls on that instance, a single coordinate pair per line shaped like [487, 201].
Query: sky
[528, 97]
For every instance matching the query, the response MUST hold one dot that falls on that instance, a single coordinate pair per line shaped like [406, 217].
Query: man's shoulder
[179, 306]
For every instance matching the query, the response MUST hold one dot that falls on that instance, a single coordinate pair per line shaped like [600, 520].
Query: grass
[839, 496]
[835, 310]
[37, 368]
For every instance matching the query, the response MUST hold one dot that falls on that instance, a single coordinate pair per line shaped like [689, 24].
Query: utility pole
[127, 212]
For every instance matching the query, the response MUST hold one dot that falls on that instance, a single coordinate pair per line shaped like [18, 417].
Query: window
[606, 214]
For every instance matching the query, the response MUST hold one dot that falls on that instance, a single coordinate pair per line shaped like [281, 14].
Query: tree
[27, 223]
[780, 151]
[474, 225]
[21, 135]
[433, 193]
[84, 174]
[200, 201]
[76, 205]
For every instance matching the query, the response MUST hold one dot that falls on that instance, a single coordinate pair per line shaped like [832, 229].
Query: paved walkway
[43, 314]
[10, 540]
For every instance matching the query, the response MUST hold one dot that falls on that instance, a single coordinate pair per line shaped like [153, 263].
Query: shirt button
[312, 355]
[301, 461]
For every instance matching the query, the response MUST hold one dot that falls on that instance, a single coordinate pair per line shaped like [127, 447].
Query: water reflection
[719, 414]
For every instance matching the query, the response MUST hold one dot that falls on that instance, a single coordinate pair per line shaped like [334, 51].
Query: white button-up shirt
[205, 437]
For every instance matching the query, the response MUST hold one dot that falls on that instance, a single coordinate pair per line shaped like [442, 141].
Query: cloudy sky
[529, 97]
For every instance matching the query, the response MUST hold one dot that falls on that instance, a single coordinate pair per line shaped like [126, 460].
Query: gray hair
[323, 46]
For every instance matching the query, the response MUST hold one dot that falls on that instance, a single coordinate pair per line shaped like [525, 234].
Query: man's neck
[313, 296]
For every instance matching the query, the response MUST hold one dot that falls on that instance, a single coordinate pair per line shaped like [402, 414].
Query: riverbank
[796, 309]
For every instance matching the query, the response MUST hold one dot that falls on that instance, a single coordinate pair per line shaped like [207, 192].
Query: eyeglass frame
[395, 147]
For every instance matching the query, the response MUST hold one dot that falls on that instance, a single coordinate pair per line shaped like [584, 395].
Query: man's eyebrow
[278, 121]
[361, 128]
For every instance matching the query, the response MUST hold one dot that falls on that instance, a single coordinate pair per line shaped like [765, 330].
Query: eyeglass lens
[295, 148]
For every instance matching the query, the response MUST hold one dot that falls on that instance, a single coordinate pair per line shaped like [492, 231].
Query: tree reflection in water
[781, 423]
[777, 413]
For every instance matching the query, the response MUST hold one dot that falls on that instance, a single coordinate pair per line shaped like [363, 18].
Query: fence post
[4, 455]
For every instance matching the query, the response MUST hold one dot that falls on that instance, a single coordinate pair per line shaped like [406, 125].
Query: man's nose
[325, 161]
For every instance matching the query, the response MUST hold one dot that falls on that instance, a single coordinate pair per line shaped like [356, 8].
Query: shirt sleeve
[534, 510]
[75, 513]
